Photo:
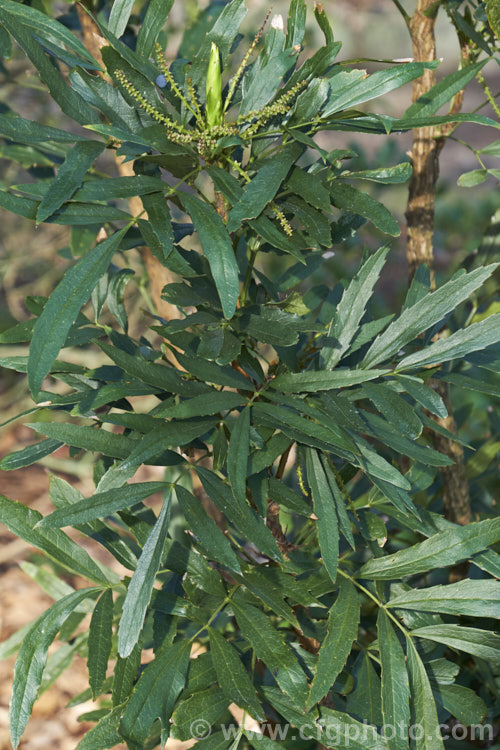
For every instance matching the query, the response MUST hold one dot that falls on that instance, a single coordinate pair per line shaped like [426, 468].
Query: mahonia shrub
[295, 574]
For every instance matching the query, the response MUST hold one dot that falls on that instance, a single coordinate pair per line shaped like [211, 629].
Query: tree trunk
[427, 145]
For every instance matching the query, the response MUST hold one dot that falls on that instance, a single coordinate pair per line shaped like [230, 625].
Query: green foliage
[300, 538]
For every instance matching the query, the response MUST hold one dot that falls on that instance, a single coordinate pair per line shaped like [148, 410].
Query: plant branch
[406, 16]
[427, 145]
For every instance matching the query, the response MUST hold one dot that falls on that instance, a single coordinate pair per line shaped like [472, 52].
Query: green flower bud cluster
[211, 127]
[260, 117]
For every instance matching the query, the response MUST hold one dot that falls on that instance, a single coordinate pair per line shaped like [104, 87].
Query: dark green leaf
[423, 706]
[283, 495]
[156, 15]
[156, 692]
[309, 186]
[102, 504]
[29, 131]
[272, 650]
[325, 510]
[63, 306]
[395, 409]
[232, 676]
[342, 731]
[105, 733]
[100, 634]
[203, 527]
[351, 309]
[69, 176]
[44, 25]
[395, 685]
[340, 501]
[237, 454]
[118, 18]
[461, 702]
[87, 438]
[386, 175]
[323, 23]
[263, 187]
[444, 90]
[425, 313]
[443, 549]
[125, 674]
[22, 521]
[159, 232]
[471, 598]
[343, 621]
[68, 99]
[350, 199]
[473, 641]
[364, 702]
[348, 94]
[141, 584]
[32, 657]
[207, 705]
[203, 405]
[222, 33]
[424, 395]
[323, 380]
[239, 513]
[477, 336]
[218, 250]
[29, 455]
[296, 23]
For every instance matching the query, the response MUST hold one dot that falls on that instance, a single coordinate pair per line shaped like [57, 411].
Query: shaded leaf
[232, 677]
[100, 634]
[218, 250]
[211, 537]
[141, 584]
[272, 650]
[395, 685]
[325, 510]
[351, 309]
[156, 692]
[343, 621]
[423, 705]
[237, 454]
[63, 306]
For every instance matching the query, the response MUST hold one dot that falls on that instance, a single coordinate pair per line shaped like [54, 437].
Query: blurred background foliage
[32, 261]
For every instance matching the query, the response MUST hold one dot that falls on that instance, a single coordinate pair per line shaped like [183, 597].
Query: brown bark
[427, 145]
[420, 209]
